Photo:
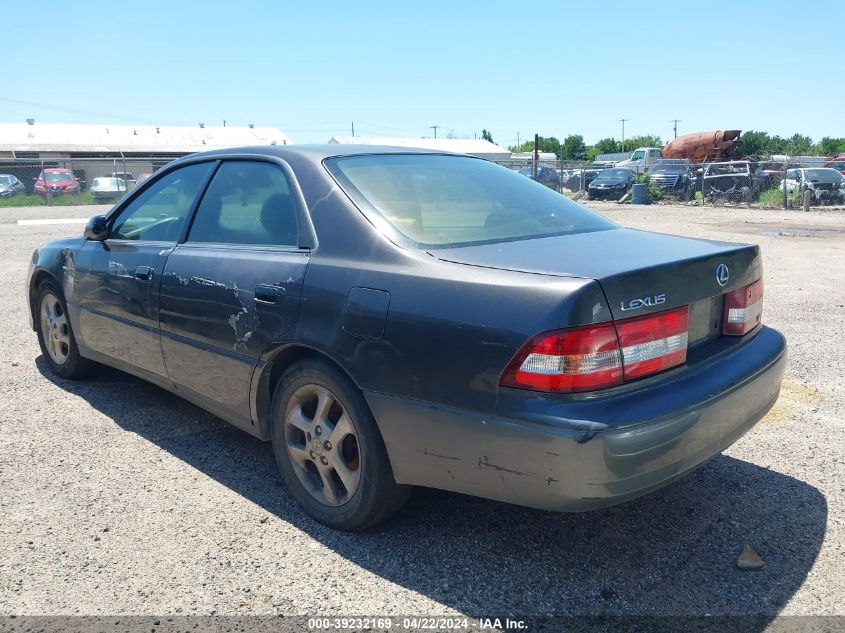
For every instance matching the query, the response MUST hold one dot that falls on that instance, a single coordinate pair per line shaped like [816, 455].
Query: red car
[837, 163]
[56, 182]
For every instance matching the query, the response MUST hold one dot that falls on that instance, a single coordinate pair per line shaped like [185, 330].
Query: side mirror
[96, 230]
[34, 179]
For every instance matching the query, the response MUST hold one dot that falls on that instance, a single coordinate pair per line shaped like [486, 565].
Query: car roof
[317, 152]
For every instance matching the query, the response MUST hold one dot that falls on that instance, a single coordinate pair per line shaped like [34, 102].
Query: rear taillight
[743, 309]
[653, 342]
[578, 359]
[600, 355]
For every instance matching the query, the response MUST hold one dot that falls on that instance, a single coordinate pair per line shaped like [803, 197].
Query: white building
[471, 146]
[66, 140]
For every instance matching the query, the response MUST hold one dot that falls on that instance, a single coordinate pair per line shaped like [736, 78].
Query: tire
[59, 348]
[329, 449]
[590, 195]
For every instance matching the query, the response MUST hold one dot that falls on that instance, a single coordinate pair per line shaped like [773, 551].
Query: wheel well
[274, 371]
[40, 276]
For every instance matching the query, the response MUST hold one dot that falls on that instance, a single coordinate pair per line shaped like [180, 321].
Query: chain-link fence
[768, 182]
[67, 181]
[797, 182]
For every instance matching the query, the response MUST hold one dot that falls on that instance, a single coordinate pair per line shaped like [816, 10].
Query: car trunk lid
[640, 272]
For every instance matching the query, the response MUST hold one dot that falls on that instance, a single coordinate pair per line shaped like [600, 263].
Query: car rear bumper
[589, 454]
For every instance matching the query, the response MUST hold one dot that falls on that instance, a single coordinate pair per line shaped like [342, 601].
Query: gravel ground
[119, 498]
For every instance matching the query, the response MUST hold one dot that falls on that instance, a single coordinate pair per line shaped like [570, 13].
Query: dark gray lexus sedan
[390, 318]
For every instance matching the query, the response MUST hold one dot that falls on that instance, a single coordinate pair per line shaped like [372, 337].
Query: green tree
[828, 146]
[755, 143]
[574, 148]
[550, 144]
[648, 140]
[799, 145]
[607, 146]
[487, 136]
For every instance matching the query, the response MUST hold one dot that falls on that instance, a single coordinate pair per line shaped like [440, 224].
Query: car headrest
[278, 216]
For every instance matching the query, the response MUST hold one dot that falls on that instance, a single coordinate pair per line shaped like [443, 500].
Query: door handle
[144, 273]
[267, 294]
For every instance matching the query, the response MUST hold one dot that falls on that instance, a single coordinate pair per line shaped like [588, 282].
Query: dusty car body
[56, 182]
[736, 181]
[547, 176]
[610, 184]
[827, 185]
[674, 177]
[581, 177]
[390, 318]
[107, 188]
[10, 186]
[701, 147]
[837, 163]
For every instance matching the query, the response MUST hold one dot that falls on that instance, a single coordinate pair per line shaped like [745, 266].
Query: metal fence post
[783, 186]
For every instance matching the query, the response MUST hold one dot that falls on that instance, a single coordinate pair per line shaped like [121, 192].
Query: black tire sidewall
[376, 488]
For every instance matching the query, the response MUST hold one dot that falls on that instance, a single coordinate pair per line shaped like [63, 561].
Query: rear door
[233, 286]
[116, 282]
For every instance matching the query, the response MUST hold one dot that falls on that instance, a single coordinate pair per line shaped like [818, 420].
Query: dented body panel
[426, 334]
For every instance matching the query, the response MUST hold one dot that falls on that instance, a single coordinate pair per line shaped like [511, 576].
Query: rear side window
[248, 203]
[160, 211]
[435, 200]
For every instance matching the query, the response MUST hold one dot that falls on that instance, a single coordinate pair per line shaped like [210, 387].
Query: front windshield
[823, 174]
[57, 176]
[439, 201]
[6, 180]
[614, 173]
[638, 155]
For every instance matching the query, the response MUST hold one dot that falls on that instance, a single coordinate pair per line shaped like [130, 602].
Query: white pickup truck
[642, 159]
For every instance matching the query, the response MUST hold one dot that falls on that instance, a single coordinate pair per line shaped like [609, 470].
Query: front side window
[159, 212]
[435, 200]
[247, 202]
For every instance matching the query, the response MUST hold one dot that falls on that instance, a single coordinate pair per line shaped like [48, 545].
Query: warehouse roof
[72, 137]
[472, 146]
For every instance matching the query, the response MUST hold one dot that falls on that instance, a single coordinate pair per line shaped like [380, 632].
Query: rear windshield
[443, 201]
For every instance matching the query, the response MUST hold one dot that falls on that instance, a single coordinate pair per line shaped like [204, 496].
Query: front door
[233, 286]
[114, 294]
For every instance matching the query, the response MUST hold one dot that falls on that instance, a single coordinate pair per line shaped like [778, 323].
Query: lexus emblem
[723, 275]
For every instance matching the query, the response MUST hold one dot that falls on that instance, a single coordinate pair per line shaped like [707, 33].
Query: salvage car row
[59, 181]
[735, 181]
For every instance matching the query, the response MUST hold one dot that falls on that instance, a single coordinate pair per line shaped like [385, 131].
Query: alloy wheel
[322, 444]
[54, 328]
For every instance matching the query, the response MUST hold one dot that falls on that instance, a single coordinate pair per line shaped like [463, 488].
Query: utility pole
[675, 121]
[623, 133]
[353, 129]
[434, 127]
[536, 156]
[517, 142]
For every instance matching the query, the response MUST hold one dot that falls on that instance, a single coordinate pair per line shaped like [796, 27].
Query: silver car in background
[108, 188]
